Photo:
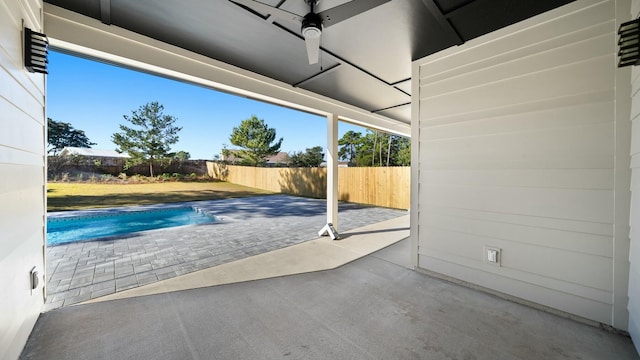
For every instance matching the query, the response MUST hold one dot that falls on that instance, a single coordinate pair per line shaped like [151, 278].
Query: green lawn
[78, 196]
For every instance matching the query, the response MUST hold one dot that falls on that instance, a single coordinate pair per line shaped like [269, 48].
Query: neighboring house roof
[340, 164]
[93, 152]
[279, 158]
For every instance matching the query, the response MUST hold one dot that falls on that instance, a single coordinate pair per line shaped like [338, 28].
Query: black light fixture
[35, 51]
[629, 43]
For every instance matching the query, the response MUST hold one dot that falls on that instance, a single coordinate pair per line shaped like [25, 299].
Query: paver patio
[249, 226]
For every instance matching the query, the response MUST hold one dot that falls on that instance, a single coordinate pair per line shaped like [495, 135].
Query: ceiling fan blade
[273, 11]
[313, 49]
[352, 8]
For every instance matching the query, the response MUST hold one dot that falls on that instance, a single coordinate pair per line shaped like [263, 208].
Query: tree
[349, 144]
[403, 153]
[182, 156]
[62, 134]
[367, 149]
[151, 137]
[375, 149]
[255, 138]
[311, 157]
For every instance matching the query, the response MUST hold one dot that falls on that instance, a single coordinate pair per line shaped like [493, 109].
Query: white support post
[332, 176]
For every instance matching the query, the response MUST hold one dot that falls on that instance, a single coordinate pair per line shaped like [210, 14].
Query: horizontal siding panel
[574, 100]
[634, 291]
[635, 135]
[528, 279]
[523, 34]
[634, 247]
[545, 222]
[10, 23]
[635, 177]
[532, 60]
[555, 44]
[10, 156]
[634, 258]
[589, 271]
[540, 118]
[563, 297]
[587, 76]
[579, 242]
[505, 161]
[23, 177]
[635, 81]
[30, 226]
[590, 146]
[34, 10]
[634, 216]
[586, 179]
[22, 195]
[573, 204]
[635, 107]
[19, 129]
[32, 104]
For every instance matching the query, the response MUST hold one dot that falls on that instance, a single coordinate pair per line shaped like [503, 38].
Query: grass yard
[78, 196]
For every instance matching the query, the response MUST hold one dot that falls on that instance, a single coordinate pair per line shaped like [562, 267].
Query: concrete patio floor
[250, 226]
[372, 308]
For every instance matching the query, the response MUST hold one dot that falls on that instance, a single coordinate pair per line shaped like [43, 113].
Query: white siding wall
[523, 145]
[22, 178]
[634, 253]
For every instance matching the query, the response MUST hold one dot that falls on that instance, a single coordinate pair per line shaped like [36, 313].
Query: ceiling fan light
[311, 26]
[311, 32]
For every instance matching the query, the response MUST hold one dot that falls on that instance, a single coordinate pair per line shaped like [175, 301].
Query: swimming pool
[61, 230]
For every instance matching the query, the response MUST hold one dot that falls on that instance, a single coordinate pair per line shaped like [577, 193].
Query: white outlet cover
[492, 255]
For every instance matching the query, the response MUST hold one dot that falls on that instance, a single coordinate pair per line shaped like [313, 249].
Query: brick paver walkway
[249, 226]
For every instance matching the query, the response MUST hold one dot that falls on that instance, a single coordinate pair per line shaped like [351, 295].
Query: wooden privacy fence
[380, 186]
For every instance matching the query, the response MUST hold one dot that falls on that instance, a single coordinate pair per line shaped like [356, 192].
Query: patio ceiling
[365, 61]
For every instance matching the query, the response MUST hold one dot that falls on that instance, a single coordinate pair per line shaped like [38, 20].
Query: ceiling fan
[312, 23]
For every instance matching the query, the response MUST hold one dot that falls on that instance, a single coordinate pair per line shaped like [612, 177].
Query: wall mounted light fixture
[35, 51]
[629, 43]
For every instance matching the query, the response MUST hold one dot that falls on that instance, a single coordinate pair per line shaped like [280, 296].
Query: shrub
[138, 178]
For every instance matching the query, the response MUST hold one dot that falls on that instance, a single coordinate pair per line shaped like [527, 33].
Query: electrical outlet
[492, 255]
[34, 279]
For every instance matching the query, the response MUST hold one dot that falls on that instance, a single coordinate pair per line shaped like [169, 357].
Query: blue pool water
[70, 229]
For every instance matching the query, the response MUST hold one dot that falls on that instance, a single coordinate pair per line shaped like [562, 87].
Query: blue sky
[93, 97]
